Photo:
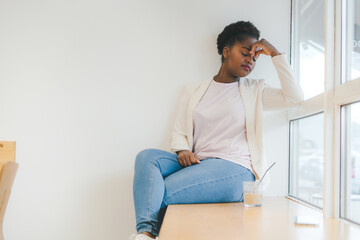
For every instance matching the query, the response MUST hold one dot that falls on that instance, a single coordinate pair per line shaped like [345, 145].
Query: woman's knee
[144, 155]
[147, 155]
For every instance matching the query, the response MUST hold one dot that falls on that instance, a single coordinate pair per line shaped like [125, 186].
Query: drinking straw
[266, 172]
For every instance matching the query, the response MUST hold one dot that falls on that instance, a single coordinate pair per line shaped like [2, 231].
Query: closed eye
[248, 55]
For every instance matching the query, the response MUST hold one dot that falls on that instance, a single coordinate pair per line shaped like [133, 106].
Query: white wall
[85, 85]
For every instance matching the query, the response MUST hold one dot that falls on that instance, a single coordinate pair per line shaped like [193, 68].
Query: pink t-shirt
[219, 125]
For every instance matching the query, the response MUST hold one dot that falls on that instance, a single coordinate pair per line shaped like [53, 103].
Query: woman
[216, 143]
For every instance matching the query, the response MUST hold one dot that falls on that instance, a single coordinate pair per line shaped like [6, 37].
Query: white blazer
[257, 95]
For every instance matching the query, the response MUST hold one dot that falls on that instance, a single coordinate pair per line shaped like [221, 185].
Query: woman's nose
[250, 60]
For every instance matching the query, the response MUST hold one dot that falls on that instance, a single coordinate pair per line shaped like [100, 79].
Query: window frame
[330, 101]
[291, 164]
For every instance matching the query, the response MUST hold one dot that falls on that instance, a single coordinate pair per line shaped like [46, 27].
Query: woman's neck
[224, 76]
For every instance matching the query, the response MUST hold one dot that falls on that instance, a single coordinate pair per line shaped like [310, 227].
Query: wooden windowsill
[230, 221]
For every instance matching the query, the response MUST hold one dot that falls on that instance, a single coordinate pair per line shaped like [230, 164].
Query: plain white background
[86, 85]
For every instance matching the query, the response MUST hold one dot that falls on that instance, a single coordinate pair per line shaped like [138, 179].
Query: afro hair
[237, 31]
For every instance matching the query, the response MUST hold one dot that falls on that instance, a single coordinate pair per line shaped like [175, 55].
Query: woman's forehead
[247, 43]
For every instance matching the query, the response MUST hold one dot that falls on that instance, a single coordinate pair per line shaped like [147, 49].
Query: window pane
[352, 40]
[350, 162]
[307, 159]
[309, 41]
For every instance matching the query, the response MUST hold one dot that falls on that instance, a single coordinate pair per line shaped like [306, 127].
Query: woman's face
[238, 59]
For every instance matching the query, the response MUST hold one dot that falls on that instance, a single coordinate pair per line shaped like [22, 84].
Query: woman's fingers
[256, 45]
[191, 159]
[259, 52]
[196, 158]
[187, 159]
[266, 48]
[181, 160]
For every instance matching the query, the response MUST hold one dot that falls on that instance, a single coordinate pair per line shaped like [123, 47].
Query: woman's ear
[226, 52]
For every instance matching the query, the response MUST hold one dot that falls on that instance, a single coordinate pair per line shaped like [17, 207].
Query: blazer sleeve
[289, 95]
[179, 139]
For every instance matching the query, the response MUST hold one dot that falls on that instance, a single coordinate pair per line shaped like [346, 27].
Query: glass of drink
[252, 193]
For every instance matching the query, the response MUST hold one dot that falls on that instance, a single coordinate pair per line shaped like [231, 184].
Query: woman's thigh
[165, 161]
[212, 180]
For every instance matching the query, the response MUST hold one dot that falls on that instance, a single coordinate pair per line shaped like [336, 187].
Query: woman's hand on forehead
[263, 47]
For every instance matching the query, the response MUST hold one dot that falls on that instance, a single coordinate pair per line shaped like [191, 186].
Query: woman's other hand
[187, 158]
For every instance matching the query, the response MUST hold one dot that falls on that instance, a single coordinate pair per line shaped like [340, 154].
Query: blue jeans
[159, 180]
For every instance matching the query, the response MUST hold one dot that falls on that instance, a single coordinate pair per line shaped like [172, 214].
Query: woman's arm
[178, 139]
[290, 94]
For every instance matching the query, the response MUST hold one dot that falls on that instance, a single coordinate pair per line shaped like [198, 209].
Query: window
[307, 159]
[329, 118]
[306, 128]
[308, 45]
[351, 40]
[350, 161]
[350, 113]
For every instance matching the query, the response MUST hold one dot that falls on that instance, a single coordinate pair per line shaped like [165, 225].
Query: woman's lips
[246, 67]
